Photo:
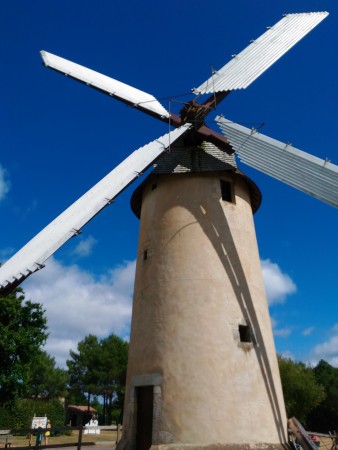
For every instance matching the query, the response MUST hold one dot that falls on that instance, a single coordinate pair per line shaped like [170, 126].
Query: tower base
[123, 445]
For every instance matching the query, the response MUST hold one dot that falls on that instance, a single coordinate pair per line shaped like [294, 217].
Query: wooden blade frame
[68, 224]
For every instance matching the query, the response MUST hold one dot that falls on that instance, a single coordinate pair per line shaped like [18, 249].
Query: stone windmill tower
[202, 369]
[201, 352]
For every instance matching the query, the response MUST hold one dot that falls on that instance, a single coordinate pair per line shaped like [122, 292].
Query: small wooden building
[80, 415]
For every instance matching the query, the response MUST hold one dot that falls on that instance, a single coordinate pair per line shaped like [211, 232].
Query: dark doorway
[144, 428]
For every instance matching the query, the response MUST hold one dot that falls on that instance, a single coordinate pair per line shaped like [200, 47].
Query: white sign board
[39, 422]
[92, 427]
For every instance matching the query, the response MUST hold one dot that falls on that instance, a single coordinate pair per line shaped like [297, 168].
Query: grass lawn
[104, 436]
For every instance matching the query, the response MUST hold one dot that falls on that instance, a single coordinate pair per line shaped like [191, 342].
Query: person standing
[47, 433]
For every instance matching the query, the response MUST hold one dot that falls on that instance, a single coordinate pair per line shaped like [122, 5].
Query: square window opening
[244, 333]
[226, 191]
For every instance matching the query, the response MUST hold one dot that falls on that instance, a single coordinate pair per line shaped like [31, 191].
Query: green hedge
[5, 419]
[19, 416]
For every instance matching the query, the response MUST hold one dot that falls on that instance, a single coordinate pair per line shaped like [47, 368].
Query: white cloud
[77, 305]
[280, 332]
[278, 285]
[5, 184]
[308, 331]
[327, 350]
[85, 247]
[288, 355]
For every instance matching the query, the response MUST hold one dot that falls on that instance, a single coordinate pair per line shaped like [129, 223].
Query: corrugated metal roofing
[33, 255]
[245, 67]
[299, 169]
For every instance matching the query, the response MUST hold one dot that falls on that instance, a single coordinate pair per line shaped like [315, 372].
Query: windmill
[202, 367]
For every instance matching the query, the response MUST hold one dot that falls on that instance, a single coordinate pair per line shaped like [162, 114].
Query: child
[47, 433]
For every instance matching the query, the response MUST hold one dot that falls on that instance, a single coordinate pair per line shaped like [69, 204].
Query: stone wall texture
[198, 278]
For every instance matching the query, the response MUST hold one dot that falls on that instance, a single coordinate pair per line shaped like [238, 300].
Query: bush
[116, 416]
[5, 419]
[19, 416]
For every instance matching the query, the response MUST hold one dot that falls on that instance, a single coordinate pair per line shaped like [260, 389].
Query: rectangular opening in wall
[144, 425]
[244, 333]
[226, 190]
[145, 255]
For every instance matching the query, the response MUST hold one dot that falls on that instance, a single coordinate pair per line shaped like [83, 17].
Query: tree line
[31, 382]
[310, 393]
[95, 376]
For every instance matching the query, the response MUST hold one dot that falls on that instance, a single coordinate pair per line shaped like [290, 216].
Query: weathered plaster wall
[202, 278]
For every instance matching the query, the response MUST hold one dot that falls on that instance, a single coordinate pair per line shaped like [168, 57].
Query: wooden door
[144, 427]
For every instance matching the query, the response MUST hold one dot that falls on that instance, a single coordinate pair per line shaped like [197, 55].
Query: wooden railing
[35, 436]
[305, 439]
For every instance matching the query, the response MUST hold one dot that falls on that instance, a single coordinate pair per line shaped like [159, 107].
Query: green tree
[325, 416]
[112, 376]
[44, 379]
[99, 368]
[83, 368]
[302, 392]
[22, 333]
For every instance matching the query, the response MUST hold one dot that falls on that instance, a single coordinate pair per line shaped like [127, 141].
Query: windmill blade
[68, 224]
[248, 65]
[312, 175]
[121, 91]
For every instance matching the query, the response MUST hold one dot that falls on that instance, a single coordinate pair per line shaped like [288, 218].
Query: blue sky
[58, 138]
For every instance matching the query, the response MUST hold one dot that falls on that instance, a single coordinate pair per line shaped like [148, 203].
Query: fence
[309, 440]
[35, 438]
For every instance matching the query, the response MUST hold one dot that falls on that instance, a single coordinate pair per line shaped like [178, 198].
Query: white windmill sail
[33, 255]
[255, 59]
[121, 91]
[288, 164]
[294, 167]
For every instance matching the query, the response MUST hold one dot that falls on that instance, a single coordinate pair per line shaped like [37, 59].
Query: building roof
[82, 409]
[184, 159]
